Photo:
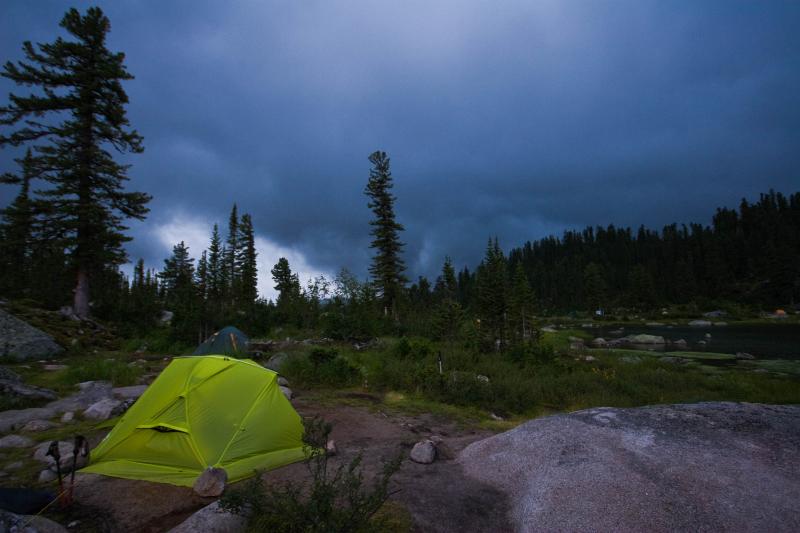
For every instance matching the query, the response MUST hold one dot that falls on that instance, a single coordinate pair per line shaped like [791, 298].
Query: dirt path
[438, 496]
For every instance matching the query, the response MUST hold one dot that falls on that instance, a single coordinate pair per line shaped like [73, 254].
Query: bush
[320, 367]
[335, 501]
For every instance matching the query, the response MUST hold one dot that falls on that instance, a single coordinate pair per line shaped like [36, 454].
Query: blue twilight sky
[510, 118]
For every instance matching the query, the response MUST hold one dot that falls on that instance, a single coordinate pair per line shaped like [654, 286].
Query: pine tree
[16, 233]
[387, 266]
[520, 305]
[215, 268]
[448, 313]
[246, 262]
[86, 204]
[492, 292]
[594, 286]
[231, 266]
[180, 293]
[286, 283]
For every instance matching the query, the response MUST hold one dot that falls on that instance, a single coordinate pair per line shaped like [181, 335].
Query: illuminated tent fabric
[227, 341]
[203, 412]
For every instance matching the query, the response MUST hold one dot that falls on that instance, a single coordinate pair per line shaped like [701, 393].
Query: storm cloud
[515, 118]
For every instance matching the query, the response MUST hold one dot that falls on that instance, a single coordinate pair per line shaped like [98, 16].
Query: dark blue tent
[227, 341]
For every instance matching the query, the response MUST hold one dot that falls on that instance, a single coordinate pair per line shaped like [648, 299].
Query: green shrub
[414, 348]
[336, 499]
[320, 368]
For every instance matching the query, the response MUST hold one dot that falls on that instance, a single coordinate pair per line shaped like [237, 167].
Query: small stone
[599, 341]
[708, 335]
[73, 524]
[38, 425]
[330, 447]
[282, 381]
[495, 417]
[47, 475]
[16, 465]
[211, 482]
[680, 343]
[744, 355]
[424, 452]
[16, 441]
[67, 417]
[589, 358]
[287, 392]
[482, 378]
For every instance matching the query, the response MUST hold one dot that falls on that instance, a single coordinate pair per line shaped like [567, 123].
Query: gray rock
[9, 375]
[15, 388]
[47, 475]
[166, 317]
[16, 441]
[330, 447]
[90, 393]
[424, 452]
[211, 483]
[483, 379]
[102, 409]
[744, 355]
[20, 340]
[123, 406]
[708, 335]
[700, 323]
[68, 417]
[645, 339]
[282, 381]
[287, 392]
[132, 392]
[16, 523]
[680, 343]
[16, 465]
[38, 425]
[16, 418]
[275, 362]
[598, 342]
[211, 519]
[697, 467]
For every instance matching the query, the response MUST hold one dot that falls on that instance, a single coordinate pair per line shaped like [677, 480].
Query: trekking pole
[82, 448]
[55, 453]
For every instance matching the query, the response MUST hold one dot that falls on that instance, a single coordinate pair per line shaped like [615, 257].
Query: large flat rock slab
[20, 340]
[697, 467]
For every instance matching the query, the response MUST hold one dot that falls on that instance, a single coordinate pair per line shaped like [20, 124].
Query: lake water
[766, 341]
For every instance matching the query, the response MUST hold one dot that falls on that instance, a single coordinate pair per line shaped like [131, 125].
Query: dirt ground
[438, 496]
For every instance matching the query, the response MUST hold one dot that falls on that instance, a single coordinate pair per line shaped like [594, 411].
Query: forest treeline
[62, 240]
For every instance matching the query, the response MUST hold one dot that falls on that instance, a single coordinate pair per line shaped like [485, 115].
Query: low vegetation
[337, 499]
[534, 378]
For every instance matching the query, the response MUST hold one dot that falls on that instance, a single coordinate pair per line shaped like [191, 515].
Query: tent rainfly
[227, 341]
[201, 412]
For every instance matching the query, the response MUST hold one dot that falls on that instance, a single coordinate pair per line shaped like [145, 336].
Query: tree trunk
[81, 303]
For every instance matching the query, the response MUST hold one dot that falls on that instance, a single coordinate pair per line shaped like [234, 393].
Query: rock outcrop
[211, 519]
[20, 340]
[699, 467]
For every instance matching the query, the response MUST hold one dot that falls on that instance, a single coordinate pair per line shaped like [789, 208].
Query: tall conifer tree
[387, 266]
[81, 80]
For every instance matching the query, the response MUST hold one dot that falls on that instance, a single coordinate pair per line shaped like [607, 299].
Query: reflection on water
[762, 341]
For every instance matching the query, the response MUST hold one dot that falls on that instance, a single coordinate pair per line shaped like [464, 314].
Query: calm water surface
[763, 341]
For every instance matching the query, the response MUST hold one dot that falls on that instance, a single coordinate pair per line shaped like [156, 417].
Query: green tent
[227, 341]
[203, 412]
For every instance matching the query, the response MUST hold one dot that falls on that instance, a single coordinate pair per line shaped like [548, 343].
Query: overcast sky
[511, 118]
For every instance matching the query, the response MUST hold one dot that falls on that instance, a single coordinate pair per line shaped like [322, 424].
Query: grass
[534, 382]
